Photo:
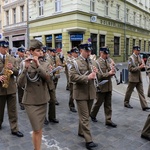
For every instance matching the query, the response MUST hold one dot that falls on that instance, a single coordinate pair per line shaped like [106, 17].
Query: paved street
[63, 136]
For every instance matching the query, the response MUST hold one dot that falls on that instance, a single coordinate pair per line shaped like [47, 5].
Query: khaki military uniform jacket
[19, 60]
[35, 93]
[12, 83]
[103, 74]
[134, 70]
[148, 73]
[83, 89]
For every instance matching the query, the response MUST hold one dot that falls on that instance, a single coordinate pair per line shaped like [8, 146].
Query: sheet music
[56, 69]
[103, 82]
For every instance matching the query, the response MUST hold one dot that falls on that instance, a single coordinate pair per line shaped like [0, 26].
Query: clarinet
[96, 83]
[116, 69]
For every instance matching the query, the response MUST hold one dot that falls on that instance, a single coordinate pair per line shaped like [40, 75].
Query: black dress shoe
[73, 109]
[111, 124]
[128, 106]
[54, 120]
[90, 145]
[22, 107]
[0, 127]
[145, 137]
[81, 135]
[146, 108]
[46, 122]
[94, 119]
[56, 103]
[18, 133]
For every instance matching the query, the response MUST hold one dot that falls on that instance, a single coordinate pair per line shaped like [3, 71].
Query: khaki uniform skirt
[36, 115]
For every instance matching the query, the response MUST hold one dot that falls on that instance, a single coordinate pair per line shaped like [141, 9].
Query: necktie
[3, 59]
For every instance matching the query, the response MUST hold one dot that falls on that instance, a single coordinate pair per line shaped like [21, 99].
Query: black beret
[44, 49]
[74, 50]
[105, 50]
[137, 48]
[52, 50]
[4, 43]
[86, 46]
[21, 49]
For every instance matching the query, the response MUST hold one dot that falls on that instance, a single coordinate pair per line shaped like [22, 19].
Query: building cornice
[13, 4]
[137, 7]
[119, 23]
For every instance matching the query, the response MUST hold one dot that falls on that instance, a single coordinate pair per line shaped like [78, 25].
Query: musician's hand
[36, 60]
[142, 66]
[95, 69]
[2, 78]
[10, 66]
[111, 72]
[92, 76]
[50, 67]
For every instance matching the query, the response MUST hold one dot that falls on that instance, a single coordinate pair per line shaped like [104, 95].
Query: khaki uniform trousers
[71, 100]
[12, 110]
[52, 107]
[146, 129]
[20, 95]
[139, 87]
[67, 77]
[103, 97]
[84, 108]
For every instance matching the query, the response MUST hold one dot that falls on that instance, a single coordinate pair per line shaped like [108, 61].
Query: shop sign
[58, 37]
[49, 38]
[76, 37]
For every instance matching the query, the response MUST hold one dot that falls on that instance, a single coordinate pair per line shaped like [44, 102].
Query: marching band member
[19, 59]
[34, 78]
[8, 94]
[74, 52]
[104, 92]
[84, 91]
[68, 59]
[135, 80]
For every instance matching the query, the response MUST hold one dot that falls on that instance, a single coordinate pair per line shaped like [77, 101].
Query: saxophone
[6, 72]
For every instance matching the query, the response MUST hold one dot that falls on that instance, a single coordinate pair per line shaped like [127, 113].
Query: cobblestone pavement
[63, 136]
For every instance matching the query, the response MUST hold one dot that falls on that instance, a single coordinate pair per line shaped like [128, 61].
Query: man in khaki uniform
[74, 53]
[19, 59]
[135, 65]
[104, 91]
[52, 93]
[55, 62]
[8, 94]
[146, 129]
[84, 91]
[68, 59]
[147, 68]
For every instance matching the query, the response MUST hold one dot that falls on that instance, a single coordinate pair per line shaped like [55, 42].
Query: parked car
[144, 56]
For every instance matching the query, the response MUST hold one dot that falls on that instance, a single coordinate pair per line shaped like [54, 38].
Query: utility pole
[125, 51]
[28, 38]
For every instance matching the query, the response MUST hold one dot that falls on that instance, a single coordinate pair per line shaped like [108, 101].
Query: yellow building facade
[117, 24]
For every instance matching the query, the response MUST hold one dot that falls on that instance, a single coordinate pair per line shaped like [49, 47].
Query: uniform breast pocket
[83, 69]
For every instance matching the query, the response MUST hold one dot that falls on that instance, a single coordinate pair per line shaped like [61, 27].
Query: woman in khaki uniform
[34, 78]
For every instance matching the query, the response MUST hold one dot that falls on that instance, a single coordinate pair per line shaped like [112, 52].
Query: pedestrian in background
[34, 78]
[84, 92]
[135, 64]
